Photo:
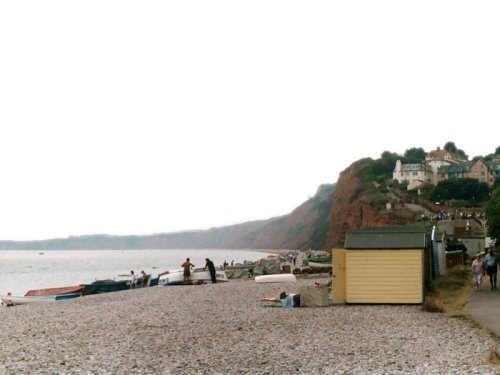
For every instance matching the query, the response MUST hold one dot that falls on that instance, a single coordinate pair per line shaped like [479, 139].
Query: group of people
[135, 280]
[488, 265]
[324, 284]
[187, 265]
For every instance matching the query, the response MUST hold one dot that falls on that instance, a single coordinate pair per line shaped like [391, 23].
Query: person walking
[477, 270]
[187, 265]
[492, 261]
[211, 268]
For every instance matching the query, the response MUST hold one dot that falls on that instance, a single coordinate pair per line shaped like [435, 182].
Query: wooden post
[339, 276]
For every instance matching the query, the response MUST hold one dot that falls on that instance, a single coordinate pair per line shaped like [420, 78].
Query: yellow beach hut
[388, 265]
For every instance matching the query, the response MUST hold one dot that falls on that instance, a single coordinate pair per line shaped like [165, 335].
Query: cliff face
[304, 228]
[351, 209]
[321, 222]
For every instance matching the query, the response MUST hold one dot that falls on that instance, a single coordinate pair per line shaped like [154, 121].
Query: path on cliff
[418, 208]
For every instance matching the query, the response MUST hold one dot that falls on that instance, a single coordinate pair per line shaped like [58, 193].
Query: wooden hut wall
[384, 276]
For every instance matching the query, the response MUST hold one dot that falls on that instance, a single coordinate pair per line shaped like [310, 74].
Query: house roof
[404, 237]
[458, 168]
[444, 155]
[441, 154]
[494, 164]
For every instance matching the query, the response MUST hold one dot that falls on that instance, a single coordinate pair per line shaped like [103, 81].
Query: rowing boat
[24, 300]
[319, 265]
[55, 291]
[198, 276]
[278, 278]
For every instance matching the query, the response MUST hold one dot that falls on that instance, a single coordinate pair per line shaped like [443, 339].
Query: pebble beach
[224, 329]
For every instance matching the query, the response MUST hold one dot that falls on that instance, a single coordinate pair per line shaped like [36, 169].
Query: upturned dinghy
[24, 300]
[198, 276]
[278, 278]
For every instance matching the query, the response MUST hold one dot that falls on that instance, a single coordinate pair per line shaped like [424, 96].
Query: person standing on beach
[133, 279]
[491, 260]
[144, 279]
[187, 265]
[477, 270]
[211, 268]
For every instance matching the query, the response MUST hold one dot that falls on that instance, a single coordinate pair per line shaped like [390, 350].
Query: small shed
[387, 265]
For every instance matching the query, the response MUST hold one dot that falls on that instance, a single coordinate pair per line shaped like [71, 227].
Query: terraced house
[481, 170]
[440, 165]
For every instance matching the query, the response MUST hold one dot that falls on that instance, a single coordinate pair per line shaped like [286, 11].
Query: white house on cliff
[414, 174]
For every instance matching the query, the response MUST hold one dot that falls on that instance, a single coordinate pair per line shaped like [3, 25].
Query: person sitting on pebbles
[282, 297]
[327, 282]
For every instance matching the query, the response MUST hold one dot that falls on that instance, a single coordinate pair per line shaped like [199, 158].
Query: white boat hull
[279, 278]
[25, 300]
[319, 265]
[198, 276]
[204, 276]
[175, 277]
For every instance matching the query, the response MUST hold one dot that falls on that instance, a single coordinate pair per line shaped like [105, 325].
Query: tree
[493, 216]
[462, 154]
[450, 147]
[414, 155]
[466, 188]
[497, 151]
[386, 164]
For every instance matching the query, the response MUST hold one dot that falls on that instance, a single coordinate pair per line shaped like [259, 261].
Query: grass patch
[493, 355]
[459, 316]
[451, 293]
[432, 305]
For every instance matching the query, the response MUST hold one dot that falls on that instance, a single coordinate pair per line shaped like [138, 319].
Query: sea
[22, 270]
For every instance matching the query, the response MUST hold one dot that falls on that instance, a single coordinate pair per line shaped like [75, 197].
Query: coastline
[223, 329]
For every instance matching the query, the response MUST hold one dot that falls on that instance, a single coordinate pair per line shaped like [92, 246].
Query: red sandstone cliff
[350, 210]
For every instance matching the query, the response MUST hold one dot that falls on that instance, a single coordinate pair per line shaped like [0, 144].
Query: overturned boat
[105, 286]
[55, 291]
[279, 278]
[23, 300]
[198, 276]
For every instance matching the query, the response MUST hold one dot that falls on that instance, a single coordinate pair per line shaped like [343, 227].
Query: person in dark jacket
[211, 268]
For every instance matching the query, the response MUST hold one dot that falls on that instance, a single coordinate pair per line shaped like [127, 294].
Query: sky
[132, 117]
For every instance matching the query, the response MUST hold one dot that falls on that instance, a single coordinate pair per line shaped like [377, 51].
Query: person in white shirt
[133, 280]
[477, 270]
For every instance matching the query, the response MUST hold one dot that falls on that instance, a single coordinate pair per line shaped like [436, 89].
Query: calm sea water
[24, 270]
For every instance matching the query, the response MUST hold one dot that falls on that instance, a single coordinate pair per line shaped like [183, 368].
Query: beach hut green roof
[403, 237]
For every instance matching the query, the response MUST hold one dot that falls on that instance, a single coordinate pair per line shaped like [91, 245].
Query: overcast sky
[139, 117]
